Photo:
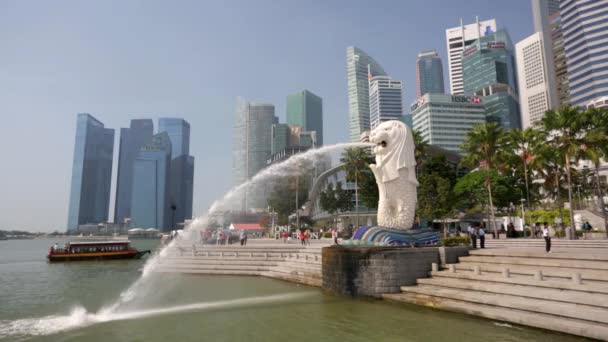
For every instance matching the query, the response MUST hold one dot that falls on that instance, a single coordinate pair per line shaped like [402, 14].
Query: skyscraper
[305, 109]
[280, 137]
[585, 34]
[458, 39]
[91, 173]
[150, 202]
[252, 138]
[385, 100]
[533, 77]
[429, 73]
[132, 139]
[357, 62]
[182, 167]
[559, 61]
[489, 71]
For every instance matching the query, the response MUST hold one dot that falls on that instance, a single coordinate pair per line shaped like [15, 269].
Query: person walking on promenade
[547, 237]
[303, 238]
[482, 237]
[242, 237]
[307, 236]
[284, 236]
[587, 226]
[334, 235]
[473, 236]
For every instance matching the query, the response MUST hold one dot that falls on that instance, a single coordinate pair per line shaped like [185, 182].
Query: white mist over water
[126, 306]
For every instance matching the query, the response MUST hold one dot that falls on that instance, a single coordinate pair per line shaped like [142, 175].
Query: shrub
[456, 241]
[327, 235]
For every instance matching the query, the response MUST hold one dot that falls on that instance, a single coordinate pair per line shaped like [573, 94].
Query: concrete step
[187, 259]
[227, 268]
[317, 282]
[562, 272]
[521, 290]
[586, 255]
[516, 316]
[587, 288]
[558, 309]
[535, 261]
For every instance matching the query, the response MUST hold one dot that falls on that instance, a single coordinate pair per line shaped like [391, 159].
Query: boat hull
[63, 257]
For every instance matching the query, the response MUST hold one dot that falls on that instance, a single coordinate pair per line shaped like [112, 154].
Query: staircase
[539, 244]
[565, 291]
[295, 263]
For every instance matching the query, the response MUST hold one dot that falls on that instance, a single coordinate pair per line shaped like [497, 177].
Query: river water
[64, 302]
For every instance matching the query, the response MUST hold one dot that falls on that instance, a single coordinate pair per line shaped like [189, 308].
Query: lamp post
[173, 209]
[523, 217]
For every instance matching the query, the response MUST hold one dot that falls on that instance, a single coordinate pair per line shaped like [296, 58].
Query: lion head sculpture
[394, 150]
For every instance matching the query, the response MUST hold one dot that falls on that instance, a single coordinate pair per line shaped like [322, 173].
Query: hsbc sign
[466, 99]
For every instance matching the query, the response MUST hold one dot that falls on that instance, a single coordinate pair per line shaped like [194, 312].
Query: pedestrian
[334, 235]
[587, 226]
[242, 237]
[482, 237]
[284, 236]
[547, 237]
[307, 236]
[473, 236]
[303, 238]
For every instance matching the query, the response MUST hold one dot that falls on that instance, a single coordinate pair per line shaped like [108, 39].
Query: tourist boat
[95, 250]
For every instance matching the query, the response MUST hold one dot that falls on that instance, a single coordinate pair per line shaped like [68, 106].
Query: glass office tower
[132, 139]
[489, 71]
[305, 109]
[150, 203]
[91, 173]
[429, 73]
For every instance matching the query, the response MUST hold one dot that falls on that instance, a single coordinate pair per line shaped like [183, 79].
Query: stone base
[373, 271]
[381, 236]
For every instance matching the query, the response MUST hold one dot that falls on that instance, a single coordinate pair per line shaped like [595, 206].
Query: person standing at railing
[547, 237]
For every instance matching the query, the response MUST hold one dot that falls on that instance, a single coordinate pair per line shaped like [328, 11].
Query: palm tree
[421, 146]
[525, 145]
[482, 145]
[595, 148]
[565, 129]
[356, 161]
[549, 168]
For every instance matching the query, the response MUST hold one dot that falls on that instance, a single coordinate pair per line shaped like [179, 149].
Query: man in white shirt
[482, 237]
[473, 236]
[547, 237]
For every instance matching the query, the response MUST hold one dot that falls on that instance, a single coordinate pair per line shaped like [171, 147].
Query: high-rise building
[489, 71]
[132, 139]
[429, 73]
[533, 77]
[182, 168]
[150, 202]
[357, 63]
[458, 39]
[542, 12]
[585, 32]
[305, 109]
[385, 100]
[252, 138]
[560, 63]
[445, 120]
[280, 137]
[91, 173]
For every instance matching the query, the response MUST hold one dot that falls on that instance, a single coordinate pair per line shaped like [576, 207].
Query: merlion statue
[395, 172]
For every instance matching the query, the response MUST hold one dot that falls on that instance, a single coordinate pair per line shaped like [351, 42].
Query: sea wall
[373, 271]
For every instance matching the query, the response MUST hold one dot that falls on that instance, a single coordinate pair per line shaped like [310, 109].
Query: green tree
[335, 200]
[435, 198]
[356, 162]
[368, 190]
[595, 148]
[471, 190]
[283, 196]
[421, 147]
[565, 131]
[524, 146]
[482, 146]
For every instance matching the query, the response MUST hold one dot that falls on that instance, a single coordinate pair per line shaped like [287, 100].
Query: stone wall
[450, 255]
[373, 271]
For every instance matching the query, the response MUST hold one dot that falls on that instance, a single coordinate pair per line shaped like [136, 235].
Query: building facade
[132, 139]
[543, 12]
[150, 202]
[458, 39]
[385, 100]
[560, 62]
[489, 71]
[444, 120]
[585, 31]
[252, 145]
[533, 77]
[305, 109]
[182, 167]
[357, 62]
[429, 73]
[91, 173]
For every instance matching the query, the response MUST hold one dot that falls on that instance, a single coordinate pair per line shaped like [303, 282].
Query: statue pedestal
[373, 271]
[380, 236]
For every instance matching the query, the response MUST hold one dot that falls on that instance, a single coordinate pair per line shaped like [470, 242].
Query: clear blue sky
[121, 60]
